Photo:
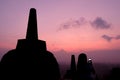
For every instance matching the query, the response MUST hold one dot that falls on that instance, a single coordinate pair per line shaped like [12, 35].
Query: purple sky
[67, 26]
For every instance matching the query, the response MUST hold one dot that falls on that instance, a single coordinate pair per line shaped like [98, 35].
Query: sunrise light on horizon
[71, 26]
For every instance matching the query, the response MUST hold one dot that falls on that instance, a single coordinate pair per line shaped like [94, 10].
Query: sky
[68, 27]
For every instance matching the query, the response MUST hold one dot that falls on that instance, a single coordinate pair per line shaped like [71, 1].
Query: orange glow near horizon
[77, 25]
[84, 46]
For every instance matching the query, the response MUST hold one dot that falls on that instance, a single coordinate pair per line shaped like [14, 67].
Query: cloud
[106, 37]
[72, 23]
[117, 37]
[109, 38]
[100, 23]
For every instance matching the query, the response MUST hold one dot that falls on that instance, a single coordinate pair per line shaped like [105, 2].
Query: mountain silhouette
[30, 59]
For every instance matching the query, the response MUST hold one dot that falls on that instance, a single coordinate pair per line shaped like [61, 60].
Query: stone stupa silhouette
[70, 74]
[30, 59]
